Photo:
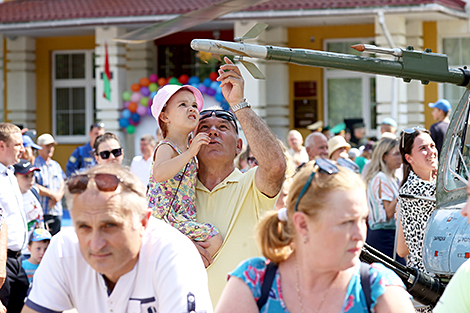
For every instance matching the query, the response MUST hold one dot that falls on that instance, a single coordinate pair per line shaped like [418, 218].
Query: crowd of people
[162, 235]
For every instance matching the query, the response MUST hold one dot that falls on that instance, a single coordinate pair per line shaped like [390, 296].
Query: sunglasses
[410, 131]
[226, 115]
[252, 160]
[98, 125]
[106, 154]
[325, 166]
[104, 182]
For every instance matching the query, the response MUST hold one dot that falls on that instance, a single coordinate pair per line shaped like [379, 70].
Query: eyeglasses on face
[410, 131]
[107, 153]
[325, 166]
[104, 182]
[226, 115]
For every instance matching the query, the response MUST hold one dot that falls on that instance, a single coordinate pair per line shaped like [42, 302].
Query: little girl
[173, 177]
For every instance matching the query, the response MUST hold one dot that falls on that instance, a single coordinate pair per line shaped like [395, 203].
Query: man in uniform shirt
[117, 258]
[16, 284]
[83, 156]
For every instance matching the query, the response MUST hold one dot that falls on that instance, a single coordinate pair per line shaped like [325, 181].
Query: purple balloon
[132, 122]
[126, 104]
[149, 111]
[141, 110]
[202, 88]
[210, 92]
[150, 102]
[145, 91]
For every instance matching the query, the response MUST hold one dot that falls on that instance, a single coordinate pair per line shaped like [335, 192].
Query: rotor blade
[187, 20]
[253, 69]
[253, 32]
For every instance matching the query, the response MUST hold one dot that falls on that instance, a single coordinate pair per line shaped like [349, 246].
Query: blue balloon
[207, 82]
[215, 85]
[123, 122]
[153, 94]
[219, 97]
[193, 80]
[135, 117]
[225, 106]
[126, 113]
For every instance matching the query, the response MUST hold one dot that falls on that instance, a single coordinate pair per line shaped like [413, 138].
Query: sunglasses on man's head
[325, 166]
[226, 115]
[410, 131]
[98, 125]
[104, 182]
[106, 154]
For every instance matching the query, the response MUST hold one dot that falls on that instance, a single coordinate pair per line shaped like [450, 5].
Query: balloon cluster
[138, 101]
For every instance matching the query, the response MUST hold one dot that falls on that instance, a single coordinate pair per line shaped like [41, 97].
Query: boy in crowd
[37, 245]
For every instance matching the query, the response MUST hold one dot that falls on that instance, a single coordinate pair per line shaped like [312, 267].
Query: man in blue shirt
[83, 156]
[50, 182]
[440, 113]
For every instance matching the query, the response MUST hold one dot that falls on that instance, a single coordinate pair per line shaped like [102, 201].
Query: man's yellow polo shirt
[234, 206]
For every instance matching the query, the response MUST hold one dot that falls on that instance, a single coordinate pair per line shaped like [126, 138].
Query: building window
[456, 50]
[175, 60]
[349, 95]
[73, 95]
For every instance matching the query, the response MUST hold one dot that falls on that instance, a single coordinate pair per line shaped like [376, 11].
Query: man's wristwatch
[241, 105]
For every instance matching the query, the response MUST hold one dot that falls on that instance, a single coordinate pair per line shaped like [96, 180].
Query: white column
[109, 111]
[141, 61]
[21, 81]
[277, 86]
[255, 89]
[410, 95]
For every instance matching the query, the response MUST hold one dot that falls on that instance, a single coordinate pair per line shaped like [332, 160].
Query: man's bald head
[317, 146]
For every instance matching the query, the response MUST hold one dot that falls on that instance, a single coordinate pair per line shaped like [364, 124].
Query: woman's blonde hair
[377, 163]
[274, 236]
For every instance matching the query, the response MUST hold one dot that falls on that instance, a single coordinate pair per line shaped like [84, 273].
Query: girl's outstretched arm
[168, 162]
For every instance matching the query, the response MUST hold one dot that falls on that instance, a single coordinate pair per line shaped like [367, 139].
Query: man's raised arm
[263, 143]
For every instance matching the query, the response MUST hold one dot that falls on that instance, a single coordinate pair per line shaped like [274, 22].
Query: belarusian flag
[107, 75]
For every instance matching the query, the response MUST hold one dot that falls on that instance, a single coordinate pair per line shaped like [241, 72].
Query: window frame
[89, 83]
[365, 79]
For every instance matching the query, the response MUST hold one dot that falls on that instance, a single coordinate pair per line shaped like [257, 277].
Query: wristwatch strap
[241, 105]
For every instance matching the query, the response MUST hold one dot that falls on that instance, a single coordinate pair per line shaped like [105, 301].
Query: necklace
[297, 287]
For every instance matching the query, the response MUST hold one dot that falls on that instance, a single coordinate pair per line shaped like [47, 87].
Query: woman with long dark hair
[419, 156]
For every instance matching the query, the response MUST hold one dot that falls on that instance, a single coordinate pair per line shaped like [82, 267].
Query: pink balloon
[153, 78]
[141, 110]
[136, 96]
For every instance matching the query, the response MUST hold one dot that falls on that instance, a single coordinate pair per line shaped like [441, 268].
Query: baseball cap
[28, 142]
[40, 234]
[441, 104]
[46, 139]
[24, 167]
[389, 121]
[335, 143]
[166, 92]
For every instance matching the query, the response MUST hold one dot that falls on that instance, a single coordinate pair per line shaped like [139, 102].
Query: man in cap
[225, 197]
[83, 156]
[50, 182]
[388, 125]
[440, 113]
[24, 172]
[16, 284]
[117, 258]
[29, 149]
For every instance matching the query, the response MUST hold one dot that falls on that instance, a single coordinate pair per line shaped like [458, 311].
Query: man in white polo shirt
[118, 258]
[141, 164]
[14, 289]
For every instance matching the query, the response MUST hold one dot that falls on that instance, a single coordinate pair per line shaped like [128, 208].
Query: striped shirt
[381, 188]
[50, 176]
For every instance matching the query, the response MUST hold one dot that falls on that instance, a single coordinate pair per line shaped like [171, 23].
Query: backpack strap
[365, 283]
[267, 283]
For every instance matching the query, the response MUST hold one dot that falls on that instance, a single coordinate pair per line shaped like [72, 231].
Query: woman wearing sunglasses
[419, 156]
[108, 149]
[312, 252]
[382, 195]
